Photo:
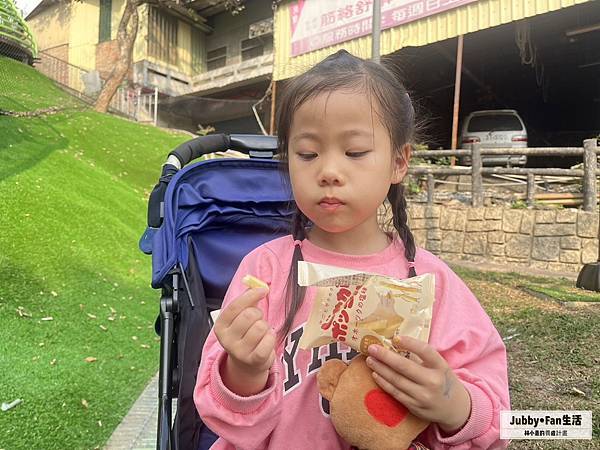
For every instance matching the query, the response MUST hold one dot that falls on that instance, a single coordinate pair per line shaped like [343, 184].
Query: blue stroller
[202, 220]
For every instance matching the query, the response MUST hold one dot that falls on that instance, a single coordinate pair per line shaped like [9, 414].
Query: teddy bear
[363, 414]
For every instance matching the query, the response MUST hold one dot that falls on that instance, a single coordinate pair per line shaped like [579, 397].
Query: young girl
[345, 129]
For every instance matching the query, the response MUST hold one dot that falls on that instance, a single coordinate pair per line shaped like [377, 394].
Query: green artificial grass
[77, 343]
[24, 89]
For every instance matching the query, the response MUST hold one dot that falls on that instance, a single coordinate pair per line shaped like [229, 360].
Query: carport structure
[546, 67]
[540, 57]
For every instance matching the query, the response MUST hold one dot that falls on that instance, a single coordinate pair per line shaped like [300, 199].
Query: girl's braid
[299, 226]
[295, 293]
[400, 221]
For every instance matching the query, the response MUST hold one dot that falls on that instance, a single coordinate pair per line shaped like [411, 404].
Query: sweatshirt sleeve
[465, 336]
[244, 422]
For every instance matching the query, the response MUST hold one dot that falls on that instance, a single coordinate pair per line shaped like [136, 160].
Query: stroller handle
[257, 146]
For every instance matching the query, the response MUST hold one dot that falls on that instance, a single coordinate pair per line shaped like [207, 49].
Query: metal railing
[142, 107]
[589, 172]
[231, 73]
[69, 76]
[85, 84]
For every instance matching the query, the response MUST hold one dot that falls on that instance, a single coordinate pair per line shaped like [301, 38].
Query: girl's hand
[431, 391]
[249, 342]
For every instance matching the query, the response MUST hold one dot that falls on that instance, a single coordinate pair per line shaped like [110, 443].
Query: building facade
[541, 58]
[186, 52]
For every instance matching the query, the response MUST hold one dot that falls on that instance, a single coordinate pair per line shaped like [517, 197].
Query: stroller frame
[177, 295]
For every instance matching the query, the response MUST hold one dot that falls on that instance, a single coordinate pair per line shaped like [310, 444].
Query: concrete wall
[557, 240]
[232, 30]
[83, 35]
[140, 47]
[184, 47]
[107, 52]
[69, 31]
[75, 26]
[51, 26]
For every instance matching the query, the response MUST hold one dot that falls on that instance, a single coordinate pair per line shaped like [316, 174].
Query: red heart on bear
[384, 408]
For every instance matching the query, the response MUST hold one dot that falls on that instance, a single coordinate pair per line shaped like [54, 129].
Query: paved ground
[137, 431]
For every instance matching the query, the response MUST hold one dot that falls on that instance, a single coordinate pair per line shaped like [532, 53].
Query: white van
[498, 128]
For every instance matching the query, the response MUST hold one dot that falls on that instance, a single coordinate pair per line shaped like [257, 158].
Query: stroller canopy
[223, 208]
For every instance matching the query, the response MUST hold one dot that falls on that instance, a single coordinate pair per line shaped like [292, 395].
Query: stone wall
[549, 239]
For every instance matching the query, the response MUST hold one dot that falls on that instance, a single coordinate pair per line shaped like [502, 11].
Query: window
[105, 15]
[251, 48]
[497, 122]
[216, 58]
[162, 36]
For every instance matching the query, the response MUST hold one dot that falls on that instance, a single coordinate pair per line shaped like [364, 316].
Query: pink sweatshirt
[290, 413]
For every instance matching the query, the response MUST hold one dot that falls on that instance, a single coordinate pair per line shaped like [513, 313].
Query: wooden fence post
[530, 189]
[430, 188]
[476, 180]
[590, 164]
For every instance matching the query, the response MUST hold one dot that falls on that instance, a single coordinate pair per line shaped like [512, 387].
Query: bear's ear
[328, 377]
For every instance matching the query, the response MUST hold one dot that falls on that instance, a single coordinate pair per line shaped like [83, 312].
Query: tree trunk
[125, 37]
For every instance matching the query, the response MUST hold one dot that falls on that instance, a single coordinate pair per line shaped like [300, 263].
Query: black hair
[343, 71]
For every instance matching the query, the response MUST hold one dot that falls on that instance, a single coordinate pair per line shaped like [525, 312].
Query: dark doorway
[546, 67]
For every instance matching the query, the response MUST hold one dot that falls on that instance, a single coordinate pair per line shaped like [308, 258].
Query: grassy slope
[73, 187]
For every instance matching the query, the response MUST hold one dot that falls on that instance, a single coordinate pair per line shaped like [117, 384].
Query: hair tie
[298, 243]
[411, 264]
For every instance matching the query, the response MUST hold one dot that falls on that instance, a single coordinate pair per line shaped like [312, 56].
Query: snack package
[360, 309]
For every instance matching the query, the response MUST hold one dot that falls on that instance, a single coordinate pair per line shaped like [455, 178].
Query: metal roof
[469, 18]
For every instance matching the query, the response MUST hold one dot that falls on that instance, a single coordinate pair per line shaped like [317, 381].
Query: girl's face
[341, 162]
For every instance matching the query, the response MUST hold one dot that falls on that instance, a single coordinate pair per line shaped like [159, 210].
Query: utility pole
[457, 79]
[376, 30]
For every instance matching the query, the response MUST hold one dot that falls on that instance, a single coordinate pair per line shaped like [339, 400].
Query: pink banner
[317, 24]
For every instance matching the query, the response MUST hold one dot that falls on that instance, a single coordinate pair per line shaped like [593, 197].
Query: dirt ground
[553, 354]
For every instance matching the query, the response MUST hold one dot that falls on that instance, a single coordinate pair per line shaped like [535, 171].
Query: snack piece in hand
[252, 282]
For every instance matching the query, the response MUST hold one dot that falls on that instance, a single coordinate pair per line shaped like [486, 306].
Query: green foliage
[73, 283]
[518, 204]
[413, 186]
[441, 161]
